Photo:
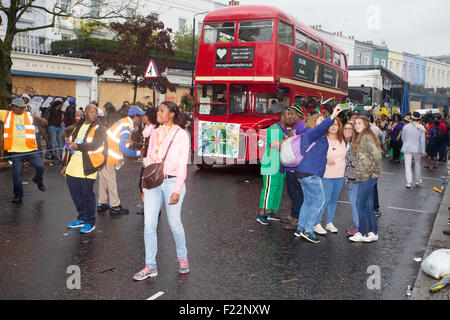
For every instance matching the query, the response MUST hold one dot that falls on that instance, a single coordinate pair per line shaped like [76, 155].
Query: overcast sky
[413, 26]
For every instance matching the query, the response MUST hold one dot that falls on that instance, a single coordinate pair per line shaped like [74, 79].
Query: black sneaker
[141, 212]
[273, 216]
[41, 187]
[118, 210]
[446, 232]
[263, 219]
[310, 236]
[102, 207]
[377, 213]
[17, 200]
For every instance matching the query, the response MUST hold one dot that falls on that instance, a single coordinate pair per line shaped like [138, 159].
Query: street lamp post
[193, 46]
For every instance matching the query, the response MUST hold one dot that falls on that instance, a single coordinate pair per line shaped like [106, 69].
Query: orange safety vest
[113, 139]
[97, 158]
[30, 131]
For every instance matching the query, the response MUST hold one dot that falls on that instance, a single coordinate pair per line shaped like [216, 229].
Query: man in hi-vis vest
[87, 155]
[117, 136]
[19, 139]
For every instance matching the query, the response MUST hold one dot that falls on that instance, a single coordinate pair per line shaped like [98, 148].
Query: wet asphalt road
[231, 256]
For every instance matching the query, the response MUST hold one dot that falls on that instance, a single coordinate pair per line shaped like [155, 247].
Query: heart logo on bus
[221, 53]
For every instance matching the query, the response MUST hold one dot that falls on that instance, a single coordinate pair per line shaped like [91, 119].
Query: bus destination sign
[235, 57]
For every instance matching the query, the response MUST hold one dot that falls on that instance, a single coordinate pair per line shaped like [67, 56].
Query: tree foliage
[15, 10]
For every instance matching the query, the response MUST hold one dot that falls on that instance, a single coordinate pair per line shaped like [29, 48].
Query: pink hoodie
[178, 156]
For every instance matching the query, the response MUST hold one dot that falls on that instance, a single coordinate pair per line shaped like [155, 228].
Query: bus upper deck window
[285, 33]
[336, 58]
[313, 47]
[219, 32]
[327, 54]
[255, 31]
[342, 61]
[300, 40]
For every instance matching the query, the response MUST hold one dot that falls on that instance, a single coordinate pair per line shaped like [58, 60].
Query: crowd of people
[93, 147]
[343, 150]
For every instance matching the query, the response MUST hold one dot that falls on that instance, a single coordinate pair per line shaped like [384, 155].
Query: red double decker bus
[252, 62]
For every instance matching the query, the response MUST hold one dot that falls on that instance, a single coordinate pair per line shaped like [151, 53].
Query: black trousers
[396, 147]
[295, 192]
[83, 196]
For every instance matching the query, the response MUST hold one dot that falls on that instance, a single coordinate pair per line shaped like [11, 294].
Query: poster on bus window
[310, 70]
[216, 139]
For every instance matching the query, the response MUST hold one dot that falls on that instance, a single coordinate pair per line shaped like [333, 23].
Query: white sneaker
[330, 227]
[371, 237]
[319, 230]
[418, 183]
[408, 185]
[358, 237]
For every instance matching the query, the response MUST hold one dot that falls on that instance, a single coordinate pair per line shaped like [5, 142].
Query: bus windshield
[211, 99]
[360, 95]
[238, 98]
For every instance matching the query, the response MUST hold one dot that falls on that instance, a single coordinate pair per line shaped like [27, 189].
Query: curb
[437, 240]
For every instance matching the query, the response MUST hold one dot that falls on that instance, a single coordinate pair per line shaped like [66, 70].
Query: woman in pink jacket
[172, 190]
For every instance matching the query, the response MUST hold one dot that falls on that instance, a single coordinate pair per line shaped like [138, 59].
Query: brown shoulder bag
[153, 174]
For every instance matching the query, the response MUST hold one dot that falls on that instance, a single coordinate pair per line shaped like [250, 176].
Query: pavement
[438, 240]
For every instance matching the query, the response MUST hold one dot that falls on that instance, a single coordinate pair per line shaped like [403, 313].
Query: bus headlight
[261, 143]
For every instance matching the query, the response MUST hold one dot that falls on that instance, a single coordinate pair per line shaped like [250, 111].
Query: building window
[376, 61]
[65, 4]
[65, 37]
[397, 66]
[390, 66]
[95, 8]
[366, 60]
[383, 63]
[199, 28]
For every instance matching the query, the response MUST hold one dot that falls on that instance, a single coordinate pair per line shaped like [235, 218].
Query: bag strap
[170, 144]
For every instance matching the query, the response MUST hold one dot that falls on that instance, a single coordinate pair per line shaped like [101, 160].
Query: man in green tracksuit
[273, 178]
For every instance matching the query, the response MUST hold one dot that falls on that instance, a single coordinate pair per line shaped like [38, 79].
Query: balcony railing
[23, 42]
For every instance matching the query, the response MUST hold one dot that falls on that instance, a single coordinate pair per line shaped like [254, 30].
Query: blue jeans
[295, 192]
[364, 204]
[56, 139]
[153, 200]
[83, 196]
[313, 202]
[353, 196]
[332, 188]
[17, 165]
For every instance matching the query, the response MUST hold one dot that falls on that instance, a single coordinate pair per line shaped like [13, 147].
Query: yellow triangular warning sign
[151, 72]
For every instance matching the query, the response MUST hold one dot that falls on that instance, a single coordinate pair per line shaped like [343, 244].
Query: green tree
[183, 40]
[139, 39]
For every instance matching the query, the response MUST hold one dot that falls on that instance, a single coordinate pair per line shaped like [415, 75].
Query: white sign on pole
[151, 71]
